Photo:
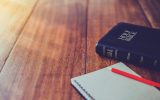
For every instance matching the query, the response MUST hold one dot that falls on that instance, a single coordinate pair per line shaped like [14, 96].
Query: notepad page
[106, 85]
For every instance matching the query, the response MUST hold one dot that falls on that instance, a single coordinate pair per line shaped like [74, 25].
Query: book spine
[127, 56]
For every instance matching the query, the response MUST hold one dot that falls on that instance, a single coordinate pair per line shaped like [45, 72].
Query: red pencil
[149, 82]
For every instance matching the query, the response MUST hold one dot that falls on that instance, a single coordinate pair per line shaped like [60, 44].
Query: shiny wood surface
[47, 42]
[13, 15]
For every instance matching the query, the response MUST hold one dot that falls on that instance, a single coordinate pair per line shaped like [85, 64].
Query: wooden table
[44, 43]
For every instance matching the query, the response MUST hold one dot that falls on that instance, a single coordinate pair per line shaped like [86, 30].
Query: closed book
[135, 44]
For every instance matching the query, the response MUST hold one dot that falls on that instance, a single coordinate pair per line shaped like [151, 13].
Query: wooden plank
[151, 9]
[49, 51]
[13, 14]
[108, 13]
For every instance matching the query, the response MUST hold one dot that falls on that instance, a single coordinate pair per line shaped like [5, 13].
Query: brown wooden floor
[44, 43]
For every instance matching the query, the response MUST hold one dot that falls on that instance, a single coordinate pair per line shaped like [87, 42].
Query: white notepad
[106, 85]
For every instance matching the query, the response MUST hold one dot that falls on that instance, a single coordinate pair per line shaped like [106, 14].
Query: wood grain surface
[13, 15]
[151, 10]
[49, 51]
[41, 51]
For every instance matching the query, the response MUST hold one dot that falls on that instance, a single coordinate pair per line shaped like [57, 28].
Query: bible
[135, 44]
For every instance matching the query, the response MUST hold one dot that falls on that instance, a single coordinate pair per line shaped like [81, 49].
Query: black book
[132, 43]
